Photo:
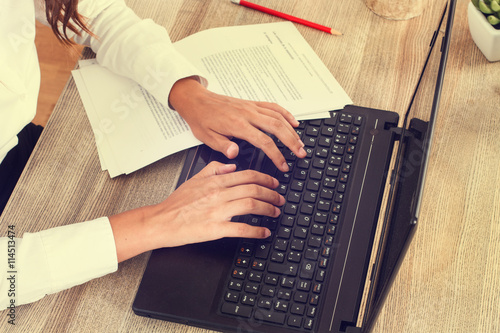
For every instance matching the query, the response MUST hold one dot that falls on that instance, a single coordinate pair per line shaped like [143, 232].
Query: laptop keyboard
[281, 280]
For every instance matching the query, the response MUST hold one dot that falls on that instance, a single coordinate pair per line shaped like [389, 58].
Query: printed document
[265, 62]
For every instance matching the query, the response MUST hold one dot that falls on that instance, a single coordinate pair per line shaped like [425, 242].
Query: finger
[247, 177]
[264, 142]
[247, 206]
[252, 191]
[277, 121]
[276, 125]
[243, 230]
[215, 168]
[220, 143]
[277, 108]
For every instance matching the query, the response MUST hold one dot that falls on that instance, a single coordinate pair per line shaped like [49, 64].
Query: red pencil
[286, 17]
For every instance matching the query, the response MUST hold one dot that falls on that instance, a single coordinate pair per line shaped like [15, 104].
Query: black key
[304, 285]
[242, 262]
[268, 291]
[338, 149]
[284, 232]
[312, 254]
[287, 282]
[313, 185]
[314, 299]
[346, 118]
[248, 300]
[239, 274]
[246, 249]
[321, 217]
[252, 288]
[358, 120]
[295, 321]
[294, 256]
[312, 131]
[297, 244]
[278, 256]
[301, 297]
[265, 303]
[304, 163]
[236, 310]
[281, 306]
[343, 128]
[297, 185]
[281, 244]
[290, 209]
[300, 233]
[284, 294]
[340, 139]
[332, 120]
[281, 189]
[235, 285]
[308, 324]
[284, 269]
[255, 276]
[272, 279]
[262, 250]
[304, 220]
[293, 197]
[288, 221]
[321, 153]
[327, 130]
[325, 141]
[307, 209]
[314, 241]
[307, 270]
[232, 297]
[318, 229]
[274, 317]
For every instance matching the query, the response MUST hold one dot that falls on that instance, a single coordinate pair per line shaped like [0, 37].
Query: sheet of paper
[265, 62]
[131, 128]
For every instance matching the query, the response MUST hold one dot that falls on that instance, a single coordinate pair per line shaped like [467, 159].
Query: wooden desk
[449, 281]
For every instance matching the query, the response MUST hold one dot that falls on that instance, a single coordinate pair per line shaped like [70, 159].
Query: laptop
[334, 251]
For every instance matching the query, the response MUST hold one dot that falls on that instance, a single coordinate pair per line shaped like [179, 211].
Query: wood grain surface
[450, 280]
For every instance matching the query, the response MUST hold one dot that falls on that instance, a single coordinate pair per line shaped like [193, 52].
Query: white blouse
[59, 258]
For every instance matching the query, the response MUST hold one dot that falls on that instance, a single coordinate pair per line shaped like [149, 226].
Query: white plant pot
[484, 35]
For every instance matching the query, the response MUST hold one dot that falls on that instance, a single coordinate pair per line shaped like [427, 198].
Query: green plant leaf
[484, 7]
[495, 6]
[493, 20]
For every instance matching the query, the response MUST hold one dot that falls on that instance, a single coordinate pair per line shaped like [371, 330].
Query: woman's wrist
[182, 91]
[132, 232]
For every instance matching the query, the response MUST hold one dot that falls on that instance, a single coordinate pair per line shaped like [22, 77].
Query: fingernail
[302, 152]
[282, 200]
[277, 211]
[267, 233]
[232, 151]
[284, 167]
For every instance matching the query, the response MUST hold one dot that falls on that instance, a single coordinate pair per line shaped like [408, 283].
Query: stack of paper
[266, 62]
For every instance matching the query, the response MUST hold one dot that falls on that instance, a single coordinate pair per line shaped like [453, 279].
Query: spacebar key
[270, 316]
[236, 310]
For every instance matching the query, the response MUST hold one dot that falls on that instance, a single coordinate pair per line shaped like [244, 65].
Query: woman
[59, 258]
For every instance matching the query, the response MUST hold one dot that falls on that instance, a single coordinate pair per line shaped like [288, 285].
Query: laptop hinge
[397, 132]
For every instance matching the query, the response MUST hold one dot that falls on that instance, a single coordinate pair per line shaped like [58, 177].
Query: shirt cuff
[66, 256]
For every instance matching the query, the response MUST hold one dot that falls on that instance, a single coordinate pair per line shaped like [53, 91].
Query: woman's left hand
[214, 119]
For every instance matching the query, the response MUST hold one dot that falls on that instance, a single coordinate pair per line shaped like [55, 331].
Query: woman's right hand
[199, 210]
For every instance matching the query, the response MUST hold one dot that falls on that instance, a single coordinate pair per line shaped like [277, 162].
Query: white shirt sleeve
[55, 259]
[132, 47]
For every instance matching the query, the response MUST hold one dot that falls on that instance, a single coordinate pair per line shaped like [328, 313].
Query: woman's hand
[199, 210]
[214, 119]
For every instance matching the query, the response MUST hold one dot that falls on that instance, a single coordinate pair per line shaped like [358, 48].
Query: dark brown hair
[63, 15]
